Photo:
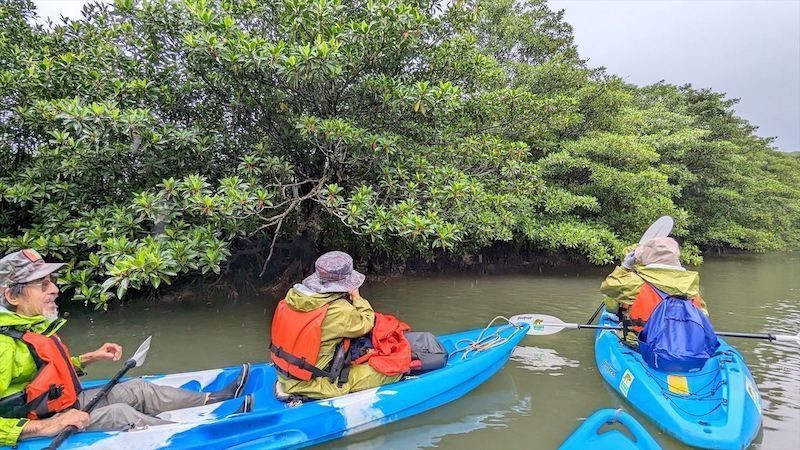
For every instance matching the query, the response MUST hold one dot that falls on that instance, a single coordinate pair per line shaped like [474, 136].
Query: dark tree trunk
[297, 259]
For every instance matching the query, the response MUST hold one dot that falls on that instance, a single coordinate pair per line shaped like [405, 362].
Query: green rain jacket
[622, 285]
[17, 367]
[342, 320]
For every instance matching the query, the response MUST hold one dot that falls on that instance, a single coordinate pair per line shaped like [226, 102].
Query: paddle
[543, 325]
[662, 227]
[136, 361]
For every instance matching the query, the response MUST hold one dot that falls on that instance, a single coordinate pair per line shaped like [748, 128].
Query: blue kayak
[276, 425]
[717, 406]
[595, 433]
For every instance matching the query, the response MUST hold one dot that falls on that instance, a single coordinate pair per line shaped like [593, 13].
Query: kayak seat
[292, 399]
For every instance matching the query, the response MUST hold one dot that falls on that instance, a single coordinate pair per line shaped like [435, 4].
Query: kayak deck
[595, 433]
[717, 406]
[273, 424]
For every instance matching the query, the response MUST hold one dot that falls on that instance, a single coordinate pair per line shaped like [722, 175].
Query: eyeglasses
[43, 283]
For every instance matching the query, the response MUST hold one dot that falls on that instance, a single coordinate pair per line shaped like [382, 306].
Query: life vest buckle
[55, 391]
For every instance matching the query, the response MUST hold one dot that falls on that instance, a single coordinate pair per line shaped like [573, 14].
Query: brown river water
[544, 392]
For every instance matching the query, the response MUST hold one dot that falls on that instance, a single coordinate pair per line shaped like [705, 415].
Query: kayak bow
[594, 434]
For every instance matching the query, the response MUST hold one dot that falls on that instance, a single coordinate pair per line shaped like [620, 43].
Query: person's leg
[85, 396]
[315, 388]
[234, 389]
[151, 398]
[363, 376]
[119, 417]
[154, 399]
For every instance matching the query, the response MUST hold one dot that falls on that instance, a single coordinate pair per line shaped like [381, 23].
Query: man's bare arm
[54, 425]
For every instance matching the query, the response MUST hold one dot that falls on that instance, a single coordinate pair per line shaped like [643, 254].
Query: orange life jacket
[54, 388]
[296, 339]
[643, 305]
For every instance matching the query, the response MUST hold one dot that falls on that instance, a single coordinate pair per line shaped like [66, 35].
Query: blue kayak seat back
[678, 337]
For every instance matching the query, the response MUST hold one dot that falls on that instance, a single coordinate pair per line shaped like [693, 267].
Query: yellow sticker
[678, 384]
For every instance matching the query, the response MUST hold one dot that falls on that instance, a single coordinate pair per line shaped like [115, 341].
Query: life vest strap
[295, 361]
[11, 332]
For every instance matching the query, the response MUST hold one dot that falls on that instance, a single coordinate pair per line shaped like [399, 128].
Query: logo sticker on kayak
[625, 384]
[751, 391]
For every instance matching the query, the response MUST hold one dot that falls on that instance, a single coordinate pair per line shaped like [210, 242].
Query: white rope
[483, 343]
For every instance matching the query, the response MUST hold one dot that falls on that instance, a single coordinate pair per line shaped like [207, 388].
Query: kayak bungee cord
[716, 407]
[483, 343]
[688, 395]
[700, 395]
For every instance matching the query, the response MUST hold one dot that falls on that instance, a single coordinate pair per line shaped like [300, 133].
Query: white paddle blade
[662, 227]
[788, 338]
[141, 353]
[541, 325]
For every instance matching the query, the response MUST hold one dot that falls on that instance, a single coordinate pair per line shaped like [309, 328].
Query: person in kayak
[312, 327]
[628, 291]
[40, 394]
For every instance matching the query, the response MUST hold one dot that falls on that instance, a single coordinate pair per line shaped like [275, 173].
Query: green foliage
[737, 191]
[160, 139]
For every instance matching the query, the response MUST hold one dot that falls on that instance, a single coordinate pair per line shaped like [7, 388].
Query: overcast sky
[748, 49]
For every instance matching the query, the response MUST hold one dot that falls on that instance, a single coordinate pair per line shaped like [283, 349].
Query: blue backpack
[677, 337]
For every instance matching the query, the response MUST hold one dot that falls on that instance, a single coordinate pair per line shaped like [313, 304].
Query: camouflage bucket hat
[24, 266]
[334, 273]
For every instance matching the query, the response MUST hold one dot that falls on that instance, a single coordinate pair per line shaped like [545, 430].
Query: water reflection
[780, 385]
[495, 405]
[538, 359]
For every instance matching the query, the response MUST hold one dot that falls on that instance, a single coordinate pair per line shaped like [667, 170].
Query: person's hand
[629, 261]
[610, 316]
[354, 294]
[55, 424]
[107, 351]
[75, 417]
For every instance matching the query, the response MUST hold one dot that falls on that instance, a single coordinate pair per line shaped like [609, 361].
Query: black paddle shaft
[767, 336]
[68, 431]
[596, 312]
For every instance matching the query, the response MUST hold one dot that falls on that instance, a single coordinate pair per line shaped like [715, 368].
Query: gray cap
[24, 266]
[334, 273]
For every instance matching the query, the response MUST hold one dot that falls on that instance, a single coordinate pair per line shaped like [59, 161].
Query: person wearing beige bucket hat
[40, 394]
[655, 262]
[310, 325]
